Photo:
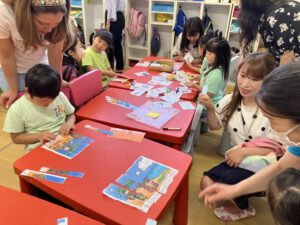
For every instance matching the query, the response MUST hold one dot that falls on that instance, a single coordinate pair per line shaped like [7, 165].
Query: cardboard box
[162, 66]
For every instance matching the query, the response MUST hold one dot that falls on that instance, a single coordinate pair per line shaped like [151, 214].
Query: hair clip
[38, 3]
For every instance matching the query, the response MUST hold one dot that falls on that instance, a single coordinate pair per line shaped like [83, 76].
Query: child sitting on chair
[96, 57]
[42, 111]
[73, 55]
[240, 116]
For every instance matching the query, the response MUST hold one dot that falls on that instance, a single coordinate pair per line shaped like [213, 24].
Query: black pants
[223, 173]
[116, 28]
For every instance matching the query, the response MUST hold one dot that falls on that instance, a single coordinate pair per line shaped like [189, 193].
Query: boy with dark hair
[96, 58]
[42, 111]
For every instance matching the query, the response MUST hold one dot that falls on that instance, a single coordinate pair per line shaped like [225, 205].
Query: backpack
[180, 21]
[155, 42]
[207, 22]
[136, 23]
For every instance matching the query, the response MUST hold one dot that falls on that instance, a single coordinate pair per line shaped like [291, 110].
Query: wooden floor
[204, 158]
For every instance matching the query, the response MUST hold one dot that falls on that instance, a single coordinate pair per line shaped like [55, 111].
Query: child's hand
[65, 83]
[191, 84]
[206, 100]
[235, 156]
[65, 128]
[178, 58]
[46, 136]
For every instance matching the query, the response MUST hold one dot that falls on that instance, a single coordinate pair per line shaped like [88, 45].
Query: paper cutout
[62, 172]
[68, 145]
[43, 176]
[129, 135]
[140, 185]
[120, 103]
[153, 114]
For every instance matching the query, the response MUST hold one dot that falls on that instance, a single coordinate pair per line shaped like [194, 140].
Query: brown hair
[24, 11]
[256, 65]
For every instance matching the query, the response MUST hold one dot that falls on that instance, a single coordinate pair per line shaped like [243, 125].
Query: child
[215, 72]
[284, 197]
[96, 58]
[188, 40]
[72, 58]
[202, 50]
[241, 117]
[42, 111]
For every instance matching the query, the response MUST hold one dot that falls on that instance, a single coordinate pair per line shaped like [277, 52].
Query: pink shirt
[8, 29]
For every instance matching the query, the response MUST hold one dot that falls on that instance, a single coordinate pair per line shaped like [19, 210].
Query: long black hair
[220, 47]
[280, 92]
[192, 27]
[249, 18]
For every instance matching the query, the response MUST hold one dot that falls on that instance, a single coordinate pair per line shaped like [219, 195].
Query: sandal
[225, 216]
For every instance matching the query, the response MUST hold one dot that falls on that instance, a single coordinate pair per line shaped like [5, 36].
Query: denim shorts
[4, 84]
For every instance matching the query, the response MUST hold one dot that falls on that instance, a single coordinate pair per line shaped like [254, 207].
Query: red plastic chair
[85, 87]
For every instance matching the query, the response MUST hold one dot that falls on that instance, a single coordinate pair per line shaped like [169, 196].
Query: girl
[284, 197]
[31, 32]
[96, 57]
[239, 114]
[278, 99]
[188, 40]
[202, 50]
[72, 58]
[277, 23]
[215, 72]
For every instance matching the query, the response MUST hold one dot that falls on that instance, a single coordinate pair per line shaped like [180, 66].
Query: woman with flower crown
[31, 32]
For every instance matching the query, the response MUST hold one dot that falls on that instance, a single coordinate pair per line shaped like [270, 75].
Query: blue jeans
[4, 84]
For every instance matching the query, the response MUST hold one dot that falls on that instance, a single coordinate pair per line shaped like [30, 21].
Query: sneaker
[225, 216]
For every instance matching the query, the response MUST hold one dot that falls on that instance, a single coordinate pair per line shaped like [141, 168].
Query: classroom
[144, 112]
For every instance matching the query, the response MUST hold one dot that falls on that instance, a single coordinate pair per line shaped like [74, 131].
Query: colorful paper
[106, 132]
[62, 172]
[141, 114]
[43, 176]
[153, 114]
[140, 185]
[129, 135]
[120, 103]
[68, 145]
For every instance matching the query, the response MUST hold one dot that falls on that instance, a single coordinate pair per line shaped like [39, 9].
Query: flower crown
[48, 2]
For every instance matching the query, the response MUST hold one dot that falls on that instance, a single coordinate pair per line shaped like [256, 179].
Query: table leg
[180, 216]
[25, 186]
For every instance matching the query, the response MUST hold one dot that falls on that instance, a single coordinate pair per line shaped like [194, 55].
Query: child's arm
[68, 125]
[110, 73]
[193, 68]
[25, 138]
[237, 154]
[212, 119]
[90, 68]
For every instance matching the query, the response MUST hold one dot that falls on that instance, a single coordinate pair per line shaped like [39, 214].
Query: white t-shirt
[251, 115]
[8, 29]
[194, 51]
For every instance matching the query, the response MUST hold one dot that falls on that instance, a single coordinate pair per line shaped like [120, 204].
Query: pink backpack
[136, 23]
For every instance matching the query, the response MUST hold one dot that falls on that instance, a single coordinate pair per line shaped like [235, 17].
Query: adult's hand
[8, 97]
[287, 58]
[217, 192]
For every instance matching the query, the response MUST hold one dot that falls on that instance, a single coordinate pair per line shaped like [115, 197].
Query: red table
[145, 79]
[18, 209]
[103, 161]
[99, 110]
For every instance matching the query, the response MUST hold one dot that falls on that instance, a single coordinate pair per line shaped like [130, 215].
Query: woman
[279, 101]
[31, 32]
[278, 23]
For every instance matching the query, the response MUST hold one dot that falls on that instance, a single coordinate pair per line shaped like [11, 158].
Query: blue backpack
[180, 21]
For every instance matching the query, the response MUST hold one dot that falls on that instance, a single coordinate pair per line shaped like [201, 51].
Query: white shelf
[161, 24]
[137, 47]
[134, 58]
[76, 7]
[170, 13]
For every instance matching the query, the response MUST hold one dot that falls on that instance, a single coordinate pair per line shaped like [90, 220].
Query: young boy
[96, 58]
[42, 111]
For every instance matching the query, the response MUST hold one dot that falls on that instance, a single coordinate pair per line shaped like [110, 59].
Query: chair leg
[197, 134]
